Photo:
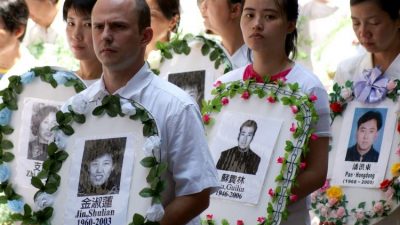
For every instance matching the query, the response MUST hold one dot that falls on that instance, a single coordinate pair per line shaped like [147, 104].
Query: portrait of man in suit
[368, 127]
[241, 158]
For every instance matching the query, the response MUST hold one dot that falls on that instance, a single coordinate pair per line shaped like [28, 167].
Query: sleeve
[322, 128]
[189, 159]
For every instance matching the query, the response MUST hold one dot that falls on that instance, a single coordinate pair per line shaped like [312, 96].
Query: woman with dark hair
[376, 24]
[165, 16]
[222, 17]
[269, 29]
[15, 59]
[43, 120]
[101, 167]
[79, 35]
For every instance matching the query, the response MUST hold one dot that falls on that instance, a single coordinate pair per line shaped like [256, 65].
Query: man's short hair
[143, 14]
[370, 115]
[15, 15]
[249, 123]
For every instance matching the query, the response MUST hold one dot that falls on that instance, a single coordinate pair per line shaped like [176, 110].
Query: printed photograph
[191, 82]
[101, 167]
[366, 135]
[42, 121]
[241, 158]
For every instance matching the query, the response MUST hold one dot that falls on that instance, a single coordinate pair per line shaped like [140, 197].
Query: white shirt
[352, 68]
[239, 58]
[309, 83]
[183, 144]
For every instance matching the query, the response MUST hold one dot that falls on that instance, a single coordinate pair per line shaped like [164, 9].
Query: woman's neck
[269, 65]
[44, 13]
[233, 39]
[9, 56]
[384, 59]
[90, 69]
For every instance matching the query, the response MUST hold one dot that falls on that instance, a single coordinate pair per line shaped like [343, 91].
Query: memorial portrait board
[27, 112]
[256, 148]
[202, 57]
[362, 185]
[104, 179]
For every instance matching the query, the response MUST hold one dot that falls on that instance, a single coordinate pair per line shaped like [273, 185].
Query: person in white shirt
[14, 57]
[377, 27]
[45, 34]
[76, 14]
[223, 18]
[269, 29]
[165, 16]
[121, 32]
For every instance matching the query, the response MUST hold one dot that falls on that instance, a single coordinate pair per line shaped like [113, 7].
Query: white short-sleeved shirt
[191, 168]
[309, 83]
[352, 68]
[239, 58]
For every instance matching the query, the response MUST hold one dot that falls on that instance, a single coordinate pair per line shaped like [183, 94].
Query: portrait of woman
[101, 167]
[43, 119]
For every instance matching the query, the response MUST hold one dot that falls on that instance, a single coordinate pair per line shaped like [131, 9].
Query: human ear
[173, 23]
[236, 10]
[19, 31]
[291, 26]
[147, 35]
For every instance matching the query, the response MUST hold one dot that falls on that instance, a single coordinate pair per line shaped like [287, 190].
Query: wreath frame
[304, 113]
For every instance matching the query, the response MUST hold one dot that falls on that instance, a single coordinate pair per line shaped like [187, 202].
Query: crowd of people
[108, 42]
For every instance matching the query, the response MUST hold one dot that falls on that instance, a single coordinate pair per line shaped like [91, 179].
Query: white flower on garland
[44, 200]
[346, 93]
[127, 108]
[154, 59]
[80, 104]
[4, 172]
[152, 147]
[60, 139]
[155, 213]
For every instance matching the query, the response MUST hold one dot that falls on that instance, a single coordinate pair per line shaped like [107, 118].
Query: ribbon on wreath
[371, 87]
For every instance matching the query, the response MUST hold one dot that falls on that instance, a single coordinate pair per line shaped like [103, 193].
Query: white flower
[154, 59]
[127, 108]
[60, 139]
[346, 93]
[80, 104]
[44, 200]
[152, 147]
[155, 213]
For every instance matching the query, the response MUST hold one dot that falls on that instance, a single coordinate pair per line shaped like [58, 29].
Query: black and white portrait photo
[366, 137]
[42, 121]
[241, 158]
[101, 166]
[191, 82]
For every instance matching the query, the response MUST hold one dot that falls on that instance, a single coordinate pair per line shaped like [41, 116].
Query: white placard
[99, 186]
[38, 117]
[362, 153]
[242, 148]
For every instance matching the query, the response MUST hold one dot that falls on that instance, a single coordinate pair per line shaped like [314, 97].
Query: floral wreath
[112, 106]
[329, 202]
[305, 115]
[9, 97]
[179, 45]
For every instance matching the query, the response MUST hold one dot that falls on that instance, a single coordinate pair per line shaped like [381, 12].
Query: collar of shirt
[133, 87]
[250, 73]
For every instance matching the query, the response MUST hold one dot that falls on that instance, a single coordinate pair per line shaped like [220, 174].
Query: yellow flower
[334, 192]
[396, 169]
